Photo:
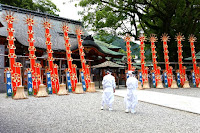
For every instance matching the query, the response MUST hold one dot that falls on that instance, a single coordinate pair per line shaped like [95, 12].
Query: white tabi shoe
[127, 110]
[110, 109]
[133, 111]
[101, 107]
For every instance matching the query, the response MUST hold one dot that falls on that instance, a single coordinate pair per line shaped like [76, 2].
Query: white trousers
[131, 99]
[107, 98]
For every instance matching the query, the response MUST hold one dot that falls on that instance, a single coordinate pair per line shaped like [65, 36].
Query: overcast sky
[68, 9]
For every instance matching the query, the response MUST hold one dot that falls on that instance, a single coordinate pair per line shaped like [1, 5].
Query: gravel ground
[80, 113]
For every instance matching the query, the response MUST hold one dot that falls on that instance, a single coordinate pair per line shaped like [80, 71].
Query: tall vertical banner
[68, 81]
[153, 79]
[179, 37]
[35, 68]
[29, 72]
[195, 72]
[9, 84]
[83, 81]
[54, 74]
[79, 32]
[193, 79]
[7, 72]
[178, 79]
[15, 73]
[144, 70]
[73, 75]
[49, 86]
[140, 77]
[165, 80]
[30, 84]
[168, 69]
[156, 69]
[128, 51]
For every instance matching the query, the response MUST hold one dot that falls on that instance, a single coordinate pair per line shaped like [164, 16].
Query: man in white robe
[131, 97]
[108, 90]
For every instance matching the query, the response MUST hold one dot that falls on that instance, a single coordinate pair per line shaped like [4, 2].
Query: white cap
[108, 71]
[130, 72]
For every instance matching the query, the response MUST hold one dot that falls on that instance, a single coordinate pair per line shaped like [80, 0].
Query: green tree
[150, 16]
[45, 6]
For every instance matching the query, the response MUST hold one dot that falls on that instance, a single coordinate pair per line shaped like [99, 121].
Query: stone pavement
[185, 103]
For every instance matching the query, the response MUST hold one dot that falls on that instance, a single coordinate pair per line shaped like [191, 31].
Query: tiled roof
[197, 56]
[107, 64]
[106, 44]
[39, 32]
[56, 32]
[104, 47]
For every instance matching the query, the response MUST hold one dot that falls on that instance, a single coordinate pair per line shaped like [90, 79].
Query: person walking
[108, 90]
[131, 97]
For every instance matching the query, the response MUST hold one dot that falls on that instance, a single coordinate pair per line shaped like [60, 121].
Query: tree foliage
[45, 6]
[151, 16]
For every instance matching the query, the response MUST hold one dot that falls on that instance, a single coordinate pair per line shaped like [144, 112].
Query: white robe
[108, 88]
[131, 97]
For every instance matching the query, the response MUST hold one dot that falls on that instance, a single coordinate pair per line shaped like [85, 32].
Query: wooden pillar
[99, 77]
[60, 66]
